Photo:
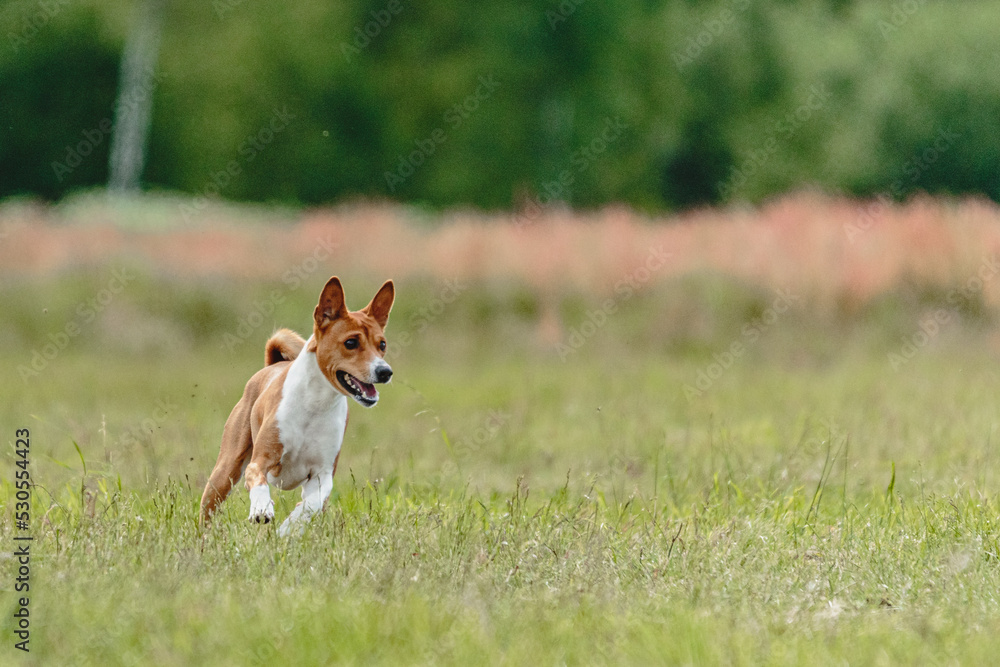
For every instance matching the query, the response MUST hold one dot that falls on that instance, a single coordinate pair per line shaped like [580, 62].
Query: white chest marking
[311, 418]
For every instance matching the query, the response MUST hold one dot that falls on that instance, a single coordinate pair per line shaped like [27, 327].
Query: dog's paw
[292, 527]
[265, 515]
[261, 505]
[293, 524]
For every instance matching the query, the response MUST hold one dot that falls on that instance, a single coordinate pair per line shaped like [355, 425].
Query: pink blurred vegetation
[835, 252]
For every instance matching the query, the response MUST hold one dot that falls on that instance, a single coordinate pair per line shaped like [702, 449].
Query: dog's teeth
[352, 382]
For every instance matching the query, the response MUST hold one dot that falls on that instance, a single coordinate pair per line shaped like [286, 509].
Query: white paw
[261, 505]
[295, 523]
[292, 526]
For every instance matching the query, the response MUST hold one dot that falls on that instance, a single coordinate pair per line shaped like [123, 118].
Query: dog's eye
[351, 343]
[381, 346]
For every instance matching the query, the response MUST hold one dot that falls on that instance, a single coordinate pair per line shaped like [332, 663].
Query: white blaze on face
[376, 365]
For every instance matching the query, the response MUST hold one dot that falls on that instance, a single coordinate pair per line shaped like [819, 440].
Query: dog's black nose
[383, 374]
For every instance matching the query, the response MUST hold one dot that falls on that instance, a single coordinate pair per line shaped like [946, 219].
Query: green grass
[501, 506]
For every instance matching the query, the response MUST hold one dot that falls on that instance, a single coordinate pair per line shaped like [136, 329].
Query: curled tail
[283, 345]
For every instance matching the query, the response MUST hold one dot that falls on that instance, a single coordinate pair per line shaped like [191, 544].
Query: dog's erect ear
[382, 303]
[331, 303]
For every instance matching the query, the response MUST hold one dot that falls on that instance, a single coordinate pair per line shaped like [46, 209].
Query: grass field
[823, 494]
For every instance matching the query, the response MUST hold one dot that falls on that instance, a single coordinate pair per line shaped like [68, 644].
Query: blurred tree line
[661, 104]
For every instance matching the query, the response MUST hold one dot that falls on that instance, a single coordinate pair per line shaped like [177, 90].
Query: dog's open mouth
[364, 393]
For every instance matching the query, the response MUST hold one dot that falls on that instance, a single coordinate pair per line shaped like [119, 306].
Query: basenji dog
[288, 427]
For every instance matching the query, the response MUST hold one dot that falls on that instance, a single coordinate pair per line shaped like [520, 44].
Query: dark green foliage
[658, 104]
[57, 89]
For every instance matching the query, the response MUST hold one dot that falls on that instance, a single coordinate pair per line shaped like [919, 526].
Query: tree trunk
[134, 106]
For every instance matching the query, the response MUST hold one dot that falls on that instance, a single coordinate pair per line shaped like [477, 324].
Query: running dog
[288, 427]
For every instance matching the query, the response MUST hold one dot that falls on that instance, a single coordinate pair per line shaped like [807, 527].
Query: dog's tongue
[368, 390]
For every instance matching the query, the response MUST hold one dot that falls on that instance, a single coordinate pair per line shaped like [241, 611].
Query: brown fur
[251, 445]
[283, 345]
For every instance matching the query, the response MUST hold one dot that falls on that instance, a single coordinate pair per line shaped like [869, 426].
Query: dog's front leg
[261, 505]
[314, 494]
